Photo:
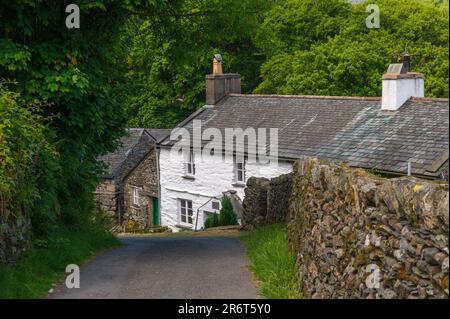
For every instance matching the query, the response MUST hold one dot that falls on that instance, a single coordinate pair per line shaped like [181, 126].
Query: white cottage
[400, 133]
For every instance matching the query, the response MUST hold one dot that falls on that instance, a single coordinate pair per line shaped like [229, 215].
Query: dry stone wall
[255, 203]
[278, 195]
[266, 200]
[361, 236]
[15, 235]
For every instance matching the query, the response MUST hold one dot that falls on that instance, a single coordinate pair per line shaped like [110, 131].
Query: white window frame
[238, 170]
[185, 209]
[135, 196]
[189, 165]
[213, 203]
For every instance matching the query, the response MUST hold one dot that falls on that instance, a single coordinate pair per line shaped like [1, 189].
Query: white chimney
[399, 85]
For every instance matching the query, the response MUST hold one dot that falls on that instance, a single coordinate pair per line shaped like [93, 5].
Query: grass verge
[45, 262]
[272, 262]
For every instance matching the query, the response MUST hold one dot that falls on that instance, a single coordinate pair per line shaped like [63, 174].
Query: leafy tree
[348, 58]
[24, 155]
[75, 77]
[298, 24]
[169, 55]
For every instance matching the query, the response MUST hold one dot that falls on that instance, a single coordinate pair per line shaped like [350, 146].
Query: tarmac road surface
[166, 267]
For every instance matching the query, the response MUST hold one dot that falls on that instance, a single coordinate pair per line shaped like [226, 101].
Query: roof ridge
[327, 97]
[130, 149]
[183, 123]
[157, 139]
[429, 99]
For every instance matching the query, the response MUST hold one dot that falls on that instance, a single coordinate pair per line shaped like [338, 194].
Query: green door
[155, 211]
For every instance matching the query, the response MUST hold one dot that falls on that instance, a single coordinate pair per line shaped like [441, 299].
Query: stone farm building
[400, 133]
[129, 191]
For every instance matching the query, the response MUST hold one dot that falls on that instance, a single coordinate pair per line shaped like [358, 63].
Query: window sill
[191, 177]
[239, 184]
[185, 226]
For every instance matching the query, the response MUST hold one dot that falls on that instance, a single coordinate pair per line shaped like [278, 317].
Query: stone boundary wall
[266, 201]
[280, 189]
[357, 235]
[15, 236]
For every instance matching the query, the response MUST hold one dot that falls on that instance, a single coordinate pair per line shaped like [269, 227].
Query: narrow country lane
[166, 267]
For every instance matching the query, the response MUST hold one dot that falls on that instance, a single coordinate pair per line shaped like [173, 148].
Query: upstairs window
[190, 164]
[239, 171]
[186, 211]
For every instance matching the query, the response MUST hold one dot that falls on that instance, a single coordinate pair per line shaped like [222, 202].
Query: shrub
[227, 214]
[28, 164]
[212, 221]
[226, 217]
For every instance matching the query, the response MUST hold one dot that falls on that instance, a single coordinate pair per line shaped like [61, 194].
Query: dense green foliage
[170, 55]
[272, 262]
[61, 106]
[323, 47]
[73, 76]
[21, 137]
[226, 217]
[27, 162]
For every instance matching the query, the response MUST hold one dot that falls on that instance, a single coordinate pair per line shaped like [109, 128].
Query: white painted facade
[212, 178]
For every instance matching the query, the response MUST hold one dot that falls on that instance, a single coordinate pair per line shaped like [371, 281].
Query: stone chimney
[399, 84]
[219, 85]
[217, 64]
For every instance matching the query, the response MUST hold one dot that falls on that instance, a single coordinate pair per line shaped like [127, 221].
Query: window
[186, 212]
[190, 165]
[215, 205]
[239, 172]
[135, 196]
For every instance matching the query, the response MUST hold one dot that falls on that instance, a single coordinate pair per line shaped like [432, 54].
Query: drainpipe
[119, 207]
[157, 151]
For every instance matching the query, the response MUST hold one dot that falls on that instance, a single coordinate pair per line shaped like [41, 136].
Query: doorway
[155, 211]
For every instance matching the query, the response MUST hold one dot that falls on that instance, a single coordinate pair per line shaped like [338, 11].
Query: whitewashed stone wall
[212, 178]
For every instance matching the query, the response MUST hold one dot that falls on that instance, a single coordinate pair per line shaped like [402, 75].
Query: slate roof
[158, 134]
[133, 147]
[343, 129]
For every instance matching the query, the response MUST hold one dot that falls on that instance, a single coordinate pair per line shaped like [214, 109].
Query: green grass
[272, 262]
[45, 262]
